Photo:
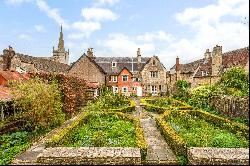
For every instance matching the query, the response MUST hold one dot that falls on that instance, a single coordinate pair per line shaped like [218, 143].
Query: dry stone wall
[231, 106]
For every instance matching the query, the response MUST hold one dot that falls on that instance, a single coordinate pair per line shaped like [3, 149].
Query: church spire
[61, 42]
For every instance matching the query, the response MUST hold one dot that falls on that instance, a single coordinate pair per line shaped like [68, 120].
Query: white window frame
[123, 77]
[124, 87]
[114, 79]
[154, 74]
[153, 89]
[113, 64]
[115, 89]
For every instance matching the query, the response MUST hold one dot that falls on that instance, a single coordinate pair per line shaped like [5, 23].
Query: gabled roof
[238, 57]
[43, 64]
[126, 69]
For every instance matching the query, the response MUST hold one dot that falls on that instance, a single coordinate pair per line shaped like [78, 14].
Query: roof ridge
[243, 48]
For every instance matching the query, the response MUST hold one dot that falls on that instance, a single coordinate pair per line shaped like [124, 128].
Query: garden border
[177, 143]
[159, 109]
[126, 109]
[140, 140]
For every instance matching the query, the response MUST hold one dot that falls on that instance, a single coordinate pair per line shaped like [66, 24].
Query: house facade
[208, 70]
[153, 75]
[125, 75]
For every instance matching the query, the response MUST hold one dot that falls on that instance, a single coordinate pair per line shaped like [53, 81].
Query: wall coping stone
[218, 156]
[90, 155]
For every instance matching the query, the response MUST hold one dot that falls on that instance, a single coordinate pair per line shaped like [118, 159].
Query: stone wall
[90, 156]
[218, 156]
[85, 69]
[231, 106]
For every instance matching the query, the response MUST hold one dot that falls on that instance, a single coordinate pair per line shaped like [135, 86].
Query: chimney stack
[139, 58]
[8, 54]
[207, 54]
[90, 53]
[177, 64]
[216, 60]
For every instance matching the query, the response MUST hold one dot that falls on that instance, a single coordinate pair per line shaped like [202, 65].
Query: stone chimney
[139, 58]
[8, 54]
[207, 54]
[177, 64]
[216, 60]
[90, 53]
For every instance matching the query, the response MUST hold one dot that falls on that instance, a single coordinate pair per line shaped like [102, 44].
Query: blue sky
[184, 28]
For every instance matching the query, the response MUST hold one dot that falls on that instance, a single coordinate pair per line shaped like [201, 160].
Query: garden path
[159, 151]
[29, 156]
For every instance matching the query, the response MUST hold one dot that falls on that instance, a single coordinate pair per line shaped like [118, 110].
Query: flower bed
[195, 128]
[159, 105]
[112, 125]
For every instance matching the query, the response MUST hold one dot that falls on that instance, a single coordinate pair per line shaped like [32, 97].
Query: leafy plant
[40, 103]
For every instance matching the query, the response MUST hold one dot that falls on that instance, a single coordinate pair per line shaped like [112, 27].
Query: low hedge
[62, 134]
[160, 110]
[176, 143]
[224, 123]
[125, 109]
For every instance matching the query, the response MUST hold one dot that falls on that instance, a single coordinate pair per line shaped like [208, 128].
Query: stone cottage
[208, 69]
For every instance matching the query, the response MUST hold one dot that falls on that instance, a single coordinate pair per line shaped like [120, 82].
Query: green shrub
[11, 145]
[40, 103]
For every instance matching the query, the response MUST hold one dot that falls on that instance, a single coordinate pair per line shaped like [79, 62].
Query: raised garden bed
[185, 129]
[159, 105]
[129, 106]
[101, 129]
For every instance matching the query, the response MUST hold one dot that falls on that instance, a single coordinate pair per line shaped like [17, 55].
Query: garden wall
[90, 156]
[218, 156]
[231, 106]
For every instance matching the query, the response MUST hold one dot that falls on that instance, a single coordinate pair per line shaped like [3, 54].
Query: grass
[199, 133]
[101, 131]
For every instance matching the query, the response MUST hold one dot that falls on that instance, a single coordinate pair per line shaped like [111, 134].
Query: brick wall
[231, 106]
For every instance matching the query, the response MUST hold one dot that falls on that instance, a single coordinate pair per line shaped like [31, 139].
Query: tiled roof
[238, 57]
[129, 62]
[190, 67]
[43, 63]
[4, 94]
[13, 75]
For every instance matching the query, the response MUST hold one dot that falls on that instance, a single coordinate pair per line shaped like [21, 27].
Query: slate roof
[43, 64]
[238, 57]
[129, 62]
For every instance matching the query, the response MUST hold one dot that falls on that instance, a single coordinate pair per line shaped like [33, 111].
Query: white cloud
[218, 23]
[98, 14]
[24, 37]
[104, 2]
[16, 2]
[159, 35]
[86, 28]
[39, 28]
[121, 45]
[52, 13]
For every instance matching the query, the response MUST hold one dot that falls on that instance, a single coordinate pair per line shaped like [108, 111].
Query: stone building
[153, 75]
[24, 63]
[60, 55]
[209, 69]
[122, 74]
[58, 63]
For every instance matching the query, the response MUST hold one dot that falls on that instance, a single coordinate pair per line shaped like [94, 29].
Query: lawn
[199, 133]
[102, 131]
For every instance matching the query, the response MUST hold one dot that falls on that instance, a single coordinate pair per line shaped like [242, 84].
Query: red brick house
[125, 81]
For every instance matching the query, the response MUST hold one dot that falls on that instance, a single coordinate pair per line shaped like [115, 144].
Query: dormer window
[113, 64]
[153, 62]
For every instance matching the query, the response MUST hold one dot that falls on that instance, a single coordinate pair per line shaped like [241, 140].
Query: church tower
[60, 55]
